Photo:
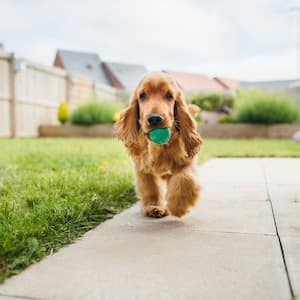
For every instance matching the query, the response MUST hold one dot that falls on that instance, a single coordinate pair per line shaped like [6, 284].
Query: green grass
[54, 190]
[248, 148]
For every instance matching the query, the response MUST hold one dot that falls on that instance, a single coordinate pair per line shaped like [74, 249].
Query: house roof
[196, 82]
[229, 84]
[87, 64]
[127, 75]
[268, 85]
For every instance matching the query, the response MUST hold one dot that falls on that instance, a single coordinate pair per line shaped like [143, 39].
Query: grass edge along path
[54, 190]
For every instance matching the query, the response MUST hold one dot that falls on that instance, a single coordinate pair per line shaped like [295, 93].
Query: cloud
[233, 38]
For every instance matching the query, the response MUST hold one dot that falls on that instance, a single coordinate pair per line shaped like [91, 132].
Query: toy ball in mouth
[160, 135]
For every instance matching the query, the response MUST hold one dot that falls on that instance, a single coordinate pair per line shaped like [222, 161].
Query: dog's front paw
[154, 211]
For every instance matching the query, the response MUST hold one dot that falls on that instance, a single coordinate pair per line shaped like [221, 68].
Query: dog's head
[155, 97]
[157, 102]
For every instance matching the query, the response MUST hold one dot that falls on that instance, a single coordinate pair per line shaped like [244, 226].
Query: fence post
[68, 88]
[12, 100]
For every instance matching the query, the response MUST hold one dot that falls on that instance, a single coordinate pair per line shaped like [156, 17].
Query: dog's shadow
[135, 221]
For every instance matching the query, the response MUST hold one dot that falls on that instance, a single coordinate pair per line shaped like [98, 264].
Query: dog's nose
[155, 119]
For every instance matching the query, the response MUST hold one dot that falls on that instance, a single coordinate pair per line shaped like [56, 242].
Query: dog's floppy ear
[187, 126]
[128, 126]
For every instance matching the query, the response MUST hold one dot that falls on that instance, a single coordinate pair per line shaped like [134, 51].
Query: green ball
[160, 135]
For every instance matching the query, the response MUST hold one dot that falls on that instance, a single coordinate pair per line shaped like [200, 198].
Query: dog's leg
[149, 191]
[183, 193]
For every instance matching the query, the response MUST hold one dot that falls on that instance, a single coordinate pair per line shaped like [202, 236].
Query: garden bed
[239, 131]
[67, 130]
[231, 131]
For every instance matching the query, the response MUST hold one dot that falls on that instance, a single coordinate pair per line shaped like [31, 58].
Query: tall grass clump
[265, 107]
[95, 112]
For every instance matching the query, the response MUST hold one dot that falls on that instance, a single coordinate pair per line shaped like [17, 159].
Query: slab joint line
[277, 231]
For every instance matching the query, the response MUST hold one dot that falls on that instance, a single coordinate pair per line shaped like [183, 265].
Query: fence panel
[103, 92]
[5, 97]
[38, 92]
[81, 89]
[30, 95]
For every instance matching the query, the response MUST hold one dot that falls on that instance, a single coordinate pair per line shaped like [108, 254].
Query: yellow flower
[104, 165]
[116, 117]
[125, 162]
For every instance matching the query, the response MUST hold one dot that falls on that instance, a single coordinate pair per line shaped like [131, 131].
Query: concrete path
[242, 241]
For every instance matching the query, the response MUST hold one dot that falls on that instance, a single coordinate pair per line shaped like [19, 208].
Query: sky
[239, 39]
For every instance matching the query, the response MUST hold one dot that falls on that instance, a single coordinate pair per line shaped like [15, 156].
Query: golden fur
[194, 110]
[174, 162]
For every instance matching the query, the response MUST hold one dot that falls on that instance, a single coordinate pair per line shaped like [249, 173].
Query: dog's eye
[169, 96]
[143, 96]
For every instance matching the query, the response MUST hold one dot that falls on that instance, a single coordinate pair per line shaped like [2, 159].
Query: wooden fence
[5, 94]
[30, 94]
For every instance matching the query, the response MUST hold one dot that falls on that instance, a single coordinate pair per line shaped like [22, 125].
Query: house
[118, 75]
[124, 76]
[228, 84]
[84, 63]
[193, 83]
[272, 85]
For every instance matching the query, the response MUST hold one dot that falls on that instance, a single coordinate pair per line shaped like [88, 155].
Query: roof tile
[196, 82]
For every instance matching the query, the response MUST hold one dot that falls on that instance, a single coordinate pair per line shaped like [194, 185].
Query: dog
[194, 110]
[158, 102]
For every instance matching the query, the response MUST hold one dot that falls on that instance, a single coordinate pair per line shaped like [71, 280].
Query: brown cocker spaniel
[158, 102]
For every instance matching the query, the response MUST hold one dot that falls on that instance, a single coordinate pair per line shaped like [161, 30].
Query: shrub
[227, 101]
[95, 112]
[262, 107]
[189, 98]
[210, 102]
[225, 120]
[63, 112]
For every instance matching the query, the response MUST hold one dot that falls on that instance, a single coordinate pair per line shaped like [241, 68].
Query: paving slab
[226, 248]
[286, 204]
[283, 178]
[291, 246]
[234, 190]
[136, 263]
[282, 170]
[233, 170]
[226, 214]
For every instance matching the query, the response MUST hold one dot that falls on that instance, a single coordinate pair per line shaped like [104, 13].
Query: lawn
[248, 148]
[54, 190]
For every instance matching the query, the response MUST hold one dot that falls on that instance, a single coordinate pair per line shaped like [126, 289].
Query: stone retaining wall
[103, 130]
[238, 131]
[226, 131]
